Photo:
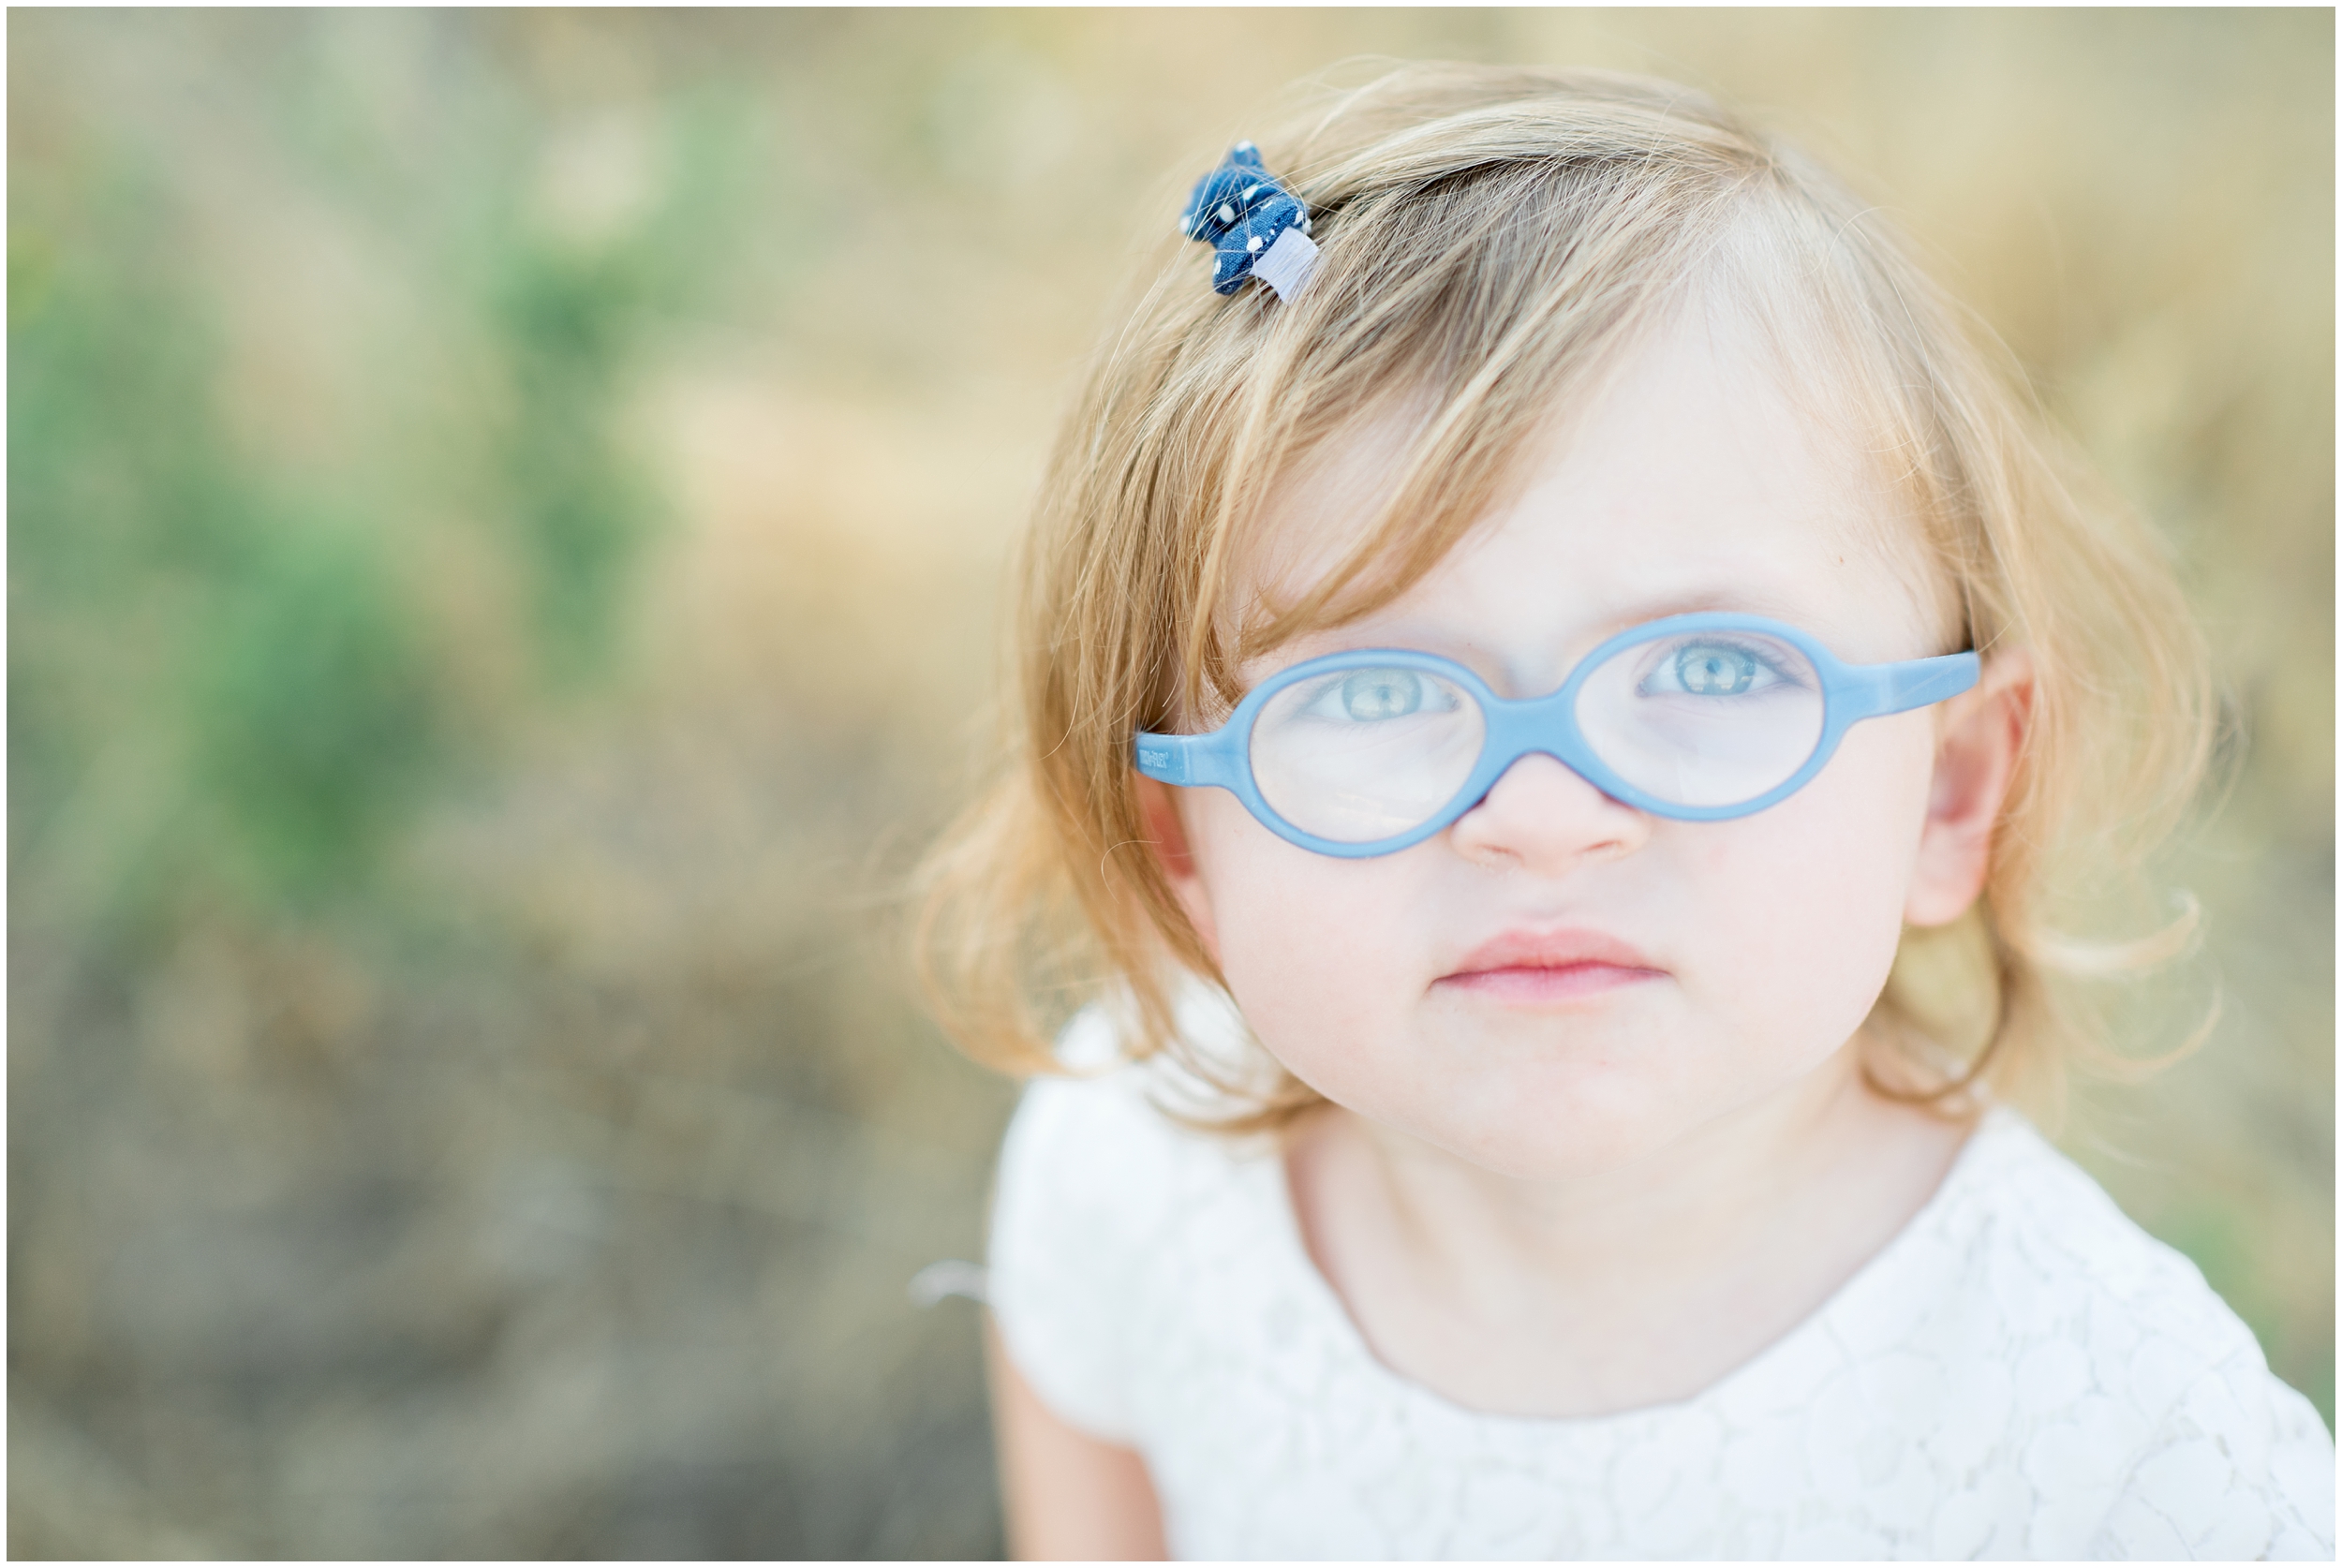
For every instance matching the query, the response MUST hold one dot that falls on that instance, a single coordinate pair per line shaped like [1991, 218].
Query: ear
[1977, 738]
[1166, 835]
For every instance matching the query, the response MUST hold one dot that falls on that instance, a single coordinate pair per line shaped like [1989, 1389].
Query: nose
[1541, 816]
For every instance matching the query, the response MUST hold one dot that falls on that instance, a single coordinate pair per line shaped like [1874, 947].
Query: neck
[1673, 1203]
[1624, 1286]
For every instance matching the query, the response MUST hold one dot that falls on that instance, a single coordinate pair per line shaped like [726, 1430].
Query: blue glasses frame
[1547, 726]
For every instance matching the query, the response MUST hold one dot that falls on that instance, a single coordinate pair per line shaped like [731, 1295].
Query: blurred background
[508, 515]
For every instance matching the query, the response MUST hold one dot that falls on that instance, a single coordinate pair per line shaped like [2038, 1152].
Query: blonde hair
[1492, 239]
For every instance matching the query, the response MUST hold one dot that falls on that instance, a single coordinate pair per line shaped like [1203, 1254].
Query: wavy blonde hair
[1492, 241]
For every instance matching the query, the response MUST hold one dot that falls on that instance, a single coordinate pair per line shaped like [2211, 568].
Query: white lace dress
[2022, 1372]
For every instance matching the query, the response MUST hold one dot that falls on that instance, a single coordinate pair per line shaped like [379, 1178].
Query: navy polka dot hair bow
[1258, 227]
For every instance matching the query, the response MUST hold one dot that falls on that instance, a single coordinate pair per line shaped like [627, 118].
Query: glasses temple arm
[1187, 759]
[1887, 689]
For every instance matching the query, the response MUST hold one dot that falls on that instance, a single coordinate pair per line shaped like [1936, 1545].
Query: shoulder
[2064, 1262]
[1107, 1145]
[2148, 1421]
[1089, 1157]
[1095, 1176]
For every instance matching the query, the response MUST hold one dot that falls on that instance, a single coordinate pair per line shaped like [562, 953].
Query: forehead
[1693, 475]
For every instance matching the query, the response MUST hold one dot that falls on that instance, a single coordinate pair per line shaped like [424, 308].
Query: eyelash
[1670, 653]
[1774, 670]
[1433, 693]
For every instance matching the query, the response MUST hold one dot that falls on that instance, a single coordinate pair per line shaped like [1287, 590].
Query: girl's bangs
[1441, 340]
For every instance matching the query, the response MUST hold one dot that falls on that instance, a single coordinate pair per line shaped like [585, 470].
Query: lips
[1550, 966]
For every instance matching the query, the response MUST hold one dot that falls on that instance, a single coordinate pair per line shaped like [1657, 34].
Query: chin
[1554, 1120]
[1547, 1136]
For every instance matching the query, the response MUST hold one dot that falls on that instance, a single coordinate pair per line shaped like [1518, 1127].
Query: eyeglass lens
[1698, 720]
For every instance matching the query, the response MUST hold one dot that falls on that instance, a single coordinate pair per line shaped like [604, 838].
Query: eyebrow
[1754, 595]
[1742, 602]
[1636, 611]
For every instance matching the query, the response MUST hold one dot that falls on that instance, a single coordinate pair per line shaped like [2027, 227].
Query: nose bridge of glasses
[1543, 726]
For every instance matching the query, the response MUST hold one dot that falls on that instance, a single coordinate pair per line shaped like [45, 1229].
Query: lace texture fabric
[2022, 1372]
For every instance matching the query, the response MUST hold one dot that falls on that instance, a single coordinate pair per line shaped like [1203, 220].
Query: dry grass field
[508, 515]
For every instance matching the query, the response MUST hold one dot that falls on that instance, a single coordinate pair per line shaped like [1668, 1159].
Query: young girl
[1559, 687]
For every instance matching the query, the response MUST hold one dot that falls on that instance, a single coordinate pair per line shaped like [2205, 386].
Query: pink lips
[1550, 966]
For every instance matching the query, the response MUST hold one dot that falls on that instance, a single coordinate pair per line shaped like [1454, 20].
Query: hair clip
[1257, 226]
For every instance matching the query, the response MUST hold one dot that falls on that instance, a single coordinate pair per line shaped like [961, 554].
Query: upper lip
[1550, 949]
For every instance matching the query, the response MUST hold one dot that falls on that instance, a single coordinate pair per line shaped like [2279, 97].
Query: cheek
[1820, 885]
[1314, 949]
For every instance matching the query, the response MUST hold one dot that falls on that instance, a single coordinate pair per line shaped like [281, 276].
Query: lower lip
[1564, 983]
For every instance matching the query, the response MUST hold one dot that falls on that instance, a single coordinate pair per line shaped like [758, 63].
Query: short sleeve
[2240, 1467]
[1082, 1188]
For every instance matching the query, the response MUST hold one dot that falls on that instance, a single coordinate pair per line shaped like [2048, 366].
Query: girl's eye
[1369, 695]
[1377, 694]
[1711, 669]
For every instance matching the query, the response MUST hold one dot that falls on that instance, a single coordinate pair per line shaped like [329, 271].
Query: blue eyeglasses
[1699, 717]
